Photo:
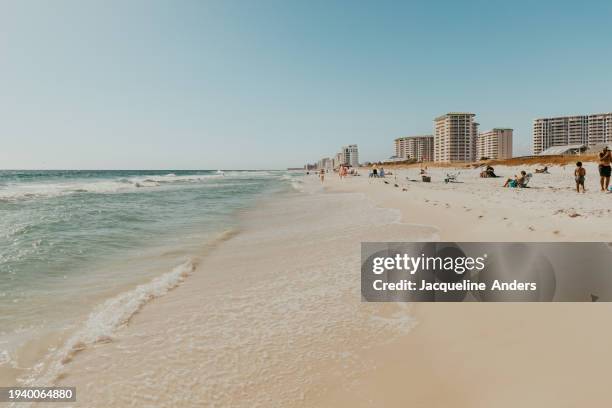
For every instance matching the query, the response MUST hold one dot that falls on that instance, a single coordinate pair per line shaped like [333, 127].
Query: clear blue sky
[271, 84]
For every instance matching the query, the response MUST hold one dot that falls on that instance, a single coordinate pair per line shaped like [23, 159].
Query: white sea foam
[24, 191]
[106, 319]
[5, 357]
[296, 183]
[297, 186]
[20, 191]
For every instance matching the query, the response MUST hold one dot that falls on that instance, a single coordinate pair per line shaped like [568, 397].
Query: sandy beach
[273, 317]
[189, 215]
[479, 209]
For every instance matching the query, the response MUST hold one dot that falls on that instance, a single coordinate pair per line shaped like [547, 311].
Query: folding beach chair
[451, 177]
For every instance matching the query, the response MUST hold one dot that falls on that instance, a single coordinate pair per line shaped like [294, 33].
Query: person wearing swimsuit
[605, 159]
[579, 175]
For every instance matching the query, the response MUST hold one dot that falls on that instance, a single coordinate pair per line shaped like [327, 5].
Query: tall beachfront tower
[585, 130]
[494, 144]
[420, 148]
[351, 155]
[455, 137]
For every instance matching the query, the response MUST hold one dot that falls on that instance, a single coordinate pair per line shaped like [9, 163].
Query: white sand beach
[272, 317]
[187, 217]
[479, 209]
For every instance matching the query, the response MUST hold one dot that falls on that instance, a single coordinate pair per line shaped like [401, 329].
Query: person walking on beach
[579, 175]
[374, 171]
[343, 172]
[322, 175]
[605, 160]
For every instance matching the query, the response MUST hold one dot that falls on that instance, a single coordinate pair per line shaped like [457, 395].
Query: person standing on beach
[605, 159]
[579, 175]
[322, 175]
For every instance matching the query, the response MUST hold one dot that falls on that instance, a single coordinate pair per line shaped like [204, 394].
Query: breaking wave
[105, 319]
[24, 191]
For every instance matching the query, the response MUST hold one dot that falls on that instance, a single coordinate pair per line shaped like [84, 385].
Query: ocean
[71, 242]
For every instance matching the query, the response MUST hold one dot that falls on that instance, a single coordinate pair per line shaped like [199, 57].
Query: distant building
[338, 160]
[585, 130]
[455, 136]
[351, 155]
[420, 148]
[309, 166]
[325, 163]
[494, 144]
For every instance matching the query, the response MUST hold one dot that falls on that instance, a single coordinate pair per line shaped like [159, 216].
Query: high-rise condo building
[585, 130]
[455, 137]
[494, 144]
[600, 129]
[420, 148]
[351, 155]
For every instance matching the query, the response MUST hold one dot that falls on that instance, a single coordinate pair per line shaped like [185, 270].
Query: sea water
[71, 241]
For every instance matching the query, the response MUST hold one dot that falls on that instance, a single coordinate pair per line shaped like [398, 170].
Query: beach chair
[451, 178]
[527, 178]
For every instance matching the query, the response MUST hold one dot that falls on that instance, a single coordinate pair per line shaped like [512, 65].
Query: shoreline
[266, 313]
[273, 316]
[89, 300]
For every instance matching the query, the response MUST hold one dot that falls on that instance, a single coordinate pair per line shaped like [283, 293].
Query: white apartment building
[351, 155]
[338, 160]
[420, 148]
[325, 163]
[600, 129]
[586, 130]
[455, 136]
[494, 144]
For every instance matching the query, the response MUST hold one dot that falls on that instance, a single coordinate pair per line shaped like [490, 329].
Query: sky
[278, 83]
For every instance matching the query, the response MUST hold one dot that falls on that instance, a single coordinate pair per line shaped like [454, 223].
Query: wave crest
[105, 319]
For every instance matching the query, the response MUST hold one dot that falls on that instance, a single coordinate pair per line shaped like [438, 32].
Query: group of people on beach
[376, 172]
[519, 180]
[605, 168]
[343, 172]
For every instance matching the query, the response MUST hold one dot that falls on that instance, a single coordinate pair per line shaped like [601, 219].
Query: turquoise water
[68, 239]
